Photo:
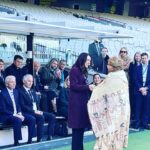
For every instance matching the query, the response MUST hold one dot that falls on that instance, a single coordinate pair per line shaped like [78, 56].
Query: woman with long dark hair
[79, 95]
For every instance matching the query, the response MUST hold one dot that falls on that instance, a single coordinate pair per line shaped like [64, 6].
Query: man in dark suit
[15, 70]
[95, 53]
[105, 58]
[37, 78]
[142, 93]
[11, 113]
[2, 75]
[29, 105]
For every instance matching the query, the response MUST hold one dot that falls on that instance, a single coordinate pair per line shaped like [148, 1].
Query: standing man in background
[142, 93]
[95, 53]
[105, 58]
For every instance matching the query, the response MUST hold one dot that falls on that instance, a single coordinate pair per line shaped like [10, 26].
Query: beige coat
[109, 112]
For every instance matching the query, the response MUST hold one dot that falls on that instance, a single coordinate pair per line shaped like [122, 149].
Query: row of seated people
[21, 105]
[48, 80]
[45, 94]
[52, 83]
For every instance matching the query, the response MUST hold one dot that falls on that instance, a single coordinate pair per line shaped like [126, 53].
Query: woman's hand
[91, 87]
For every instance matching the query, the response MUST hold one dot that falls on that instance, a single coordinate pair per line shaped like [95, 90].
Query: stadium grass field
[137, 141]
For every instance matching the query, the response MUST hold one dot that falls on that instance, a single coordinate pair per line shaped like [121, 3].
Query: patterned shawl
[109, 112]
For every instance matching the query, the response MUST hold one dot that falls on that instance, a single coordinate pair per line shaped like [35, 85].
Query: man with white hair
[11, 112]
[29, 105]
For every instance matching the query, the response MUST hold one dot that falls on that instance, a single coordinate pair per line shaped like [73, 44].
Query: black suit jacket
[17, 72]
[27, 102]
[96, 59]
[138, 79]
[65, 74]
[38, 85]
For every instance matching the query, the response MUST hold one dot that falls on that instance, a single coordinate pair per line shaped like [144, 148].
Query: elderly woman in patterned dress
[109, 109]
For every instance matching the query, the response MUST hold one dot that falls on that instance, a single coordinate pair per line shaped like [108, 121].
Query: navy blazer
[138, 79]
[6, 105]
[2, 82]
[27, 102]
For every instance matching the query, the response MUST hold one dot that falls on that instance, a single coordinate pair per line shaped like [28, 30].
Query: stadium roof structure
[8, 25]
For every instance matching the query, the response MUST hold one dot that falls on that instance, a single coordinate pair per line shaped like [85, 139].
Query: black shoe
[136, 126]
[49, 138]
[147, 127]
[16, 143]
[39, 140]
[29, 142]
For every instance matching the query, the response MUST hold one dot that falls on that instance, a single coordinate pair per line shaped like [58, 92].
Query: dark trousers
[77, 139]
[142, 109]
[17, 123]
[45, 102]
[40, 119]
[132, 100]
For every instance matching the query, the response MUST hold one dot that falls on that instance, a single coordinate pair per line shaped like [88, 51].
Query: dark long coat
[78, 98]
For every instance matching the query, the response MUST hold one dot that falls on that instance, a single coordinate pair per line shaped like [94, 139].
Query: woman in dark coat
[49, 77]
[78, 118]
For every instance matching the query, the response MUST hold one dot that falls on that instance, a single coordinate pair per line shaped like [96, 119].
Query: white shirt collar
[27, 89]
[145, 65]
[9, 90]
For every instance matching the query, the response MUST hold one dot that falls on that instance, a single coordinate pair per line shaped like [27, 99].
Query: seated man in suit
[11, 113]
[29, 104]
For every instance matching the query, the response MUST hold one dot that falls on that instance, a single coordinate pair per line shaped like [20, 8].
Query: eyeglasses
[123, 51]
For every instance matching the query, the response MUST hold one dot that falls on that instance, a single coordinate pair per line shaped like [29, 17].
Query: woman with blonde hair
[123, 54]
[109, 109]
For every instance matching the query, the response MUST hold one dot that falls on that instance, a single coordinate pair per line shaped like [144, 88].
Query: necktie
[62, 79]
[33, 102]
[30, 94]
[13, 102]
[97, 47]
